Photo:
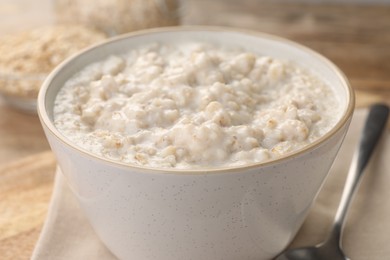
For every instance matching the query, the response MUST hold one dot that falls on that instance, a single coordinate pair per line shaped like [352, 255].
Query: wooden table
[355, 37]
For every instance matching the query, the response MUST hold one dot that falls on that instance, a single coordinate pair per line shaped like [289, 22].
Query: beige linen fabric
[68, 235]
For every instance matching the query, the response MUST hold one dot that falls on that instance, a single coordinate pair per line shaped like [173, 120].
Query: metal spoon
[331, 249]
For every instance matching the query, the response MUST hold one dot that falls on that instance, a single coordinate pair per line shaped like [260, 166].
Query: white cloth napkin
[68, 235]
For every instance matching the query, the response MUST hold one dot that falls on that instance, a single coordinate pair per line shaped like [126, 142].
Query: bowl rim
[344, 118]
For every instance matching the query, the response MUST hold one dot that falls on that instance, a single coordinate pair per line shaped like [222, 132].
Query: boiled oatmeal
[194, 105]
[27, 57]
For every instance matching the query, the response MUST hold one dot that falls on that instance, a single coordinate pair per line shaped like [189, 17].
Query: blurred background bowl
[23, 100]
[30, 50]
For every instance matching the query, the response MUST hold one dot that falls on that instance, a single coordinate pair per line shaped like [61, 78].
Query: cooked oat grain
[194, 105]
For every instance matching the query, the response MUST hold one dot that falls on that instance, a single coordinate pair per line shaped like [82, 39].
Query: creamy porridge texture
[192, 105]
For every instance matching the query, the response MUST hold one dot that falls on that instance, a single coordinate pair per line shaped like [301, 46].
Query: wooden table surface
[355, 37]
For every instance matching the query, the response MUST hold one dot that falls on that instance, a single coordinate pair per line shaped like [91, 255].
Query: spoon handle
[373, 128]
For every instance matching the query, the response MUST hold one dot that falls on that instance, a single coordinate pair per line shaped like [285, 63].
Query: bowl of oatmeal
[28, 56]
[196, 142]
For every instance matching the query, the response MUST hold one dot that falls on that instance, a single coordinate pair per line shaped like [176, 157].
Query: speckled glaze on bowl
[245, 213]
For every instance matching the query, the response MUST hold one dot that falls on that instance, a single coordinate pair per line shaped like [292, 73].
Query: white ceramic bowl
[249, 212]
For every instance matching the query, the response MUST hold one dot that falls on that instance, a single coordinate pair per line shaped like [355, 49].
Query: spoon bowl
[324, 251]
